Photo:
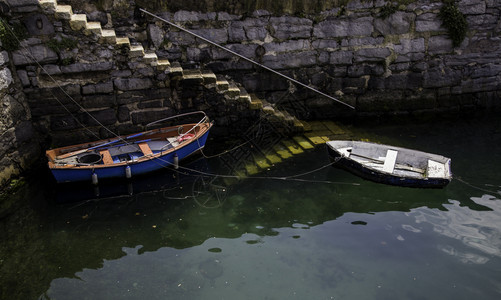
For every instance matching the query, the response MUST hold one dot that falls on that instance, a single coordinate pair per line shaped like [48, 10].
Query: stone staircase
[273, 145]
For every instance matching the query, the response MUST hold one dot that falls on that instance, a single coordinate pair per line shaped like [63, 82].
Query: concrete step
[93, 28]
[136, 51]
[233, 91]
[176, 71]
[163, 64]
[150, 58]
[63, 12]
[108, 36]
[209, 77]
[123, 42]
[222, 84]
[48, 6]
[193, 76]
[78, 21]
[255, 103]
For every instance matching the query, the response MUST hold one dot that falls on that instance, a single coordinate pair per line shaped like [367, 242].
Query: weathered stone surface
[341, 28]
[363, 41]
[341, 57]
[472, 7]
[156, 35]
[290, 27]
[439, 44]
[41, 53]
[410, 50]
[428, 22]
[372, 54]
[129, 84]
[397, 23]
[255, 29]
[289, 46]
[38, 24]
[5, 78]
[85, 67]
[147, 116]
[290, 60]
[23, 77]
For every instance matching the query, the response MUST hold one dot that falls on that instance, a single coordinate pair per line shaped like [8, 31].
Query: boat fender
[128, 172]
[94, 179]
[175, 161]
[185, 137]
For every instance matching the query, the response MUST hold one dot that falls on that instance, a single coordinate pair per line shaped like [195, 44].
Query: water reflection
[477, 229]
[264, 238]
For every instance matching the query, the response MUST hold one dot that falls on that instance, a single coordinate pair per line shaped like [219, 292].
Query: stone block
[148, 116]
[398, 23]
[100, 117]
[372, 55]
[23, 77]
[41, 53]
[130, 84]
[156, 35]
[255, 29]
[439, 44]
[78, 21]
[236, 32]
[291, 27]
[84, 67]
[287, 46]
[472, 7]
[93, 28]
[108, 36]
[353, 27]
[63, 12]
[98, 101]
[32, 23]
[51, 70]
[428, 22]
[291, 60]
[5, 78]
[217, 35]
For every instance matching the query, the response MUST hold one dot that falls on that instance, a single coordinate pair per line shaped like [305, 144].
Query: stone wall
[111, 68]
[403, 64]
[19, 147]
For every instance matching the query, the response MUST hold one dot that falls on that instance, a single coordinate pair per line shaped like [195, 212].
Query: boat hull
[136, 168]
[341, 161]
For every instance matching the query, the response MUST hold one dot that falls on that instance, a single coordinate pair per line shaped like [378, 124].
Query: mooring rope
[476, 187]
[248, 59]
[33, 59]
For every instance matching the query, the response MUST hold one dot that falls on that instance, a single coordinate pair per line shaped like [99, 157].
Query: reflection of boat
[391, 165]
[130, 155]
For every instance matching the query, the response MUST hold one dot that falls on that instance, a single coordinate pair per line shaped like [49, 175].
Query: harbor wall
[108, 66]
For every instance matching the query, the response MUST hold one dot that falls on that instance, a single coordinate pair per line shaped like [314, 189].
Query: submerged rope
[476, 187]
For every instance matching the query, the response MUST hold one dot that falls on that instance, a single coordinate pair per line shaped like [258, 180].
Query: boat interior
[395, 160]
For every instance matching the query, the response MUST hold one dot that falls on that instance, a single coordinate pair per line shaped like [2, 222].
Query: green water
[331, 236]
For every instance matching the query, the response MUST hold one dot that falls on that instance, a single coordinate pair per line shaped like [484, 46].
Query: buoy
[94, 178]
[176, 161]
[128, 172]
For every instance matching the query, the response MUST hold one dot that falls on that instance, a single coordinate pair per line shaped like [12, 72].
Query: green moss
[387, 10]
[63, 44]
[454, 21]
[10, 35]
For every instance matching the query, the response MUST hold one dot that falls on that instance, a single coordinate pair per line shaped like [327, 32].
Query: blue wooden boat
[391, 165]
[129, 155]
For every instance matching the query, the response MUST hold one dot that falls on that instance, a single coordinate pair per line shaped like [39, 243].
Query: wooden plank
[389, 161]
[145, 148]
[107, 160]
[435, 169]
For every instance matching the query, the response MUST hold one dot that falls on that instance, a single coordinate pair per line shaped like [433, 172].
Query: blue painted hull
[137, 168]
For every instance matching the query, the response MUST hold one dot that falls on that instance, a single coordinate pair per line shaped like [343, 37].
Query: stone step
[123, 42]
[93, 28]
[193, 76]
[282, 151]
[244, 96]
[151, 58]
[255, 103]
[222, 84]
[292, 147]
[136, 51]
[163, 64]
[108, 36]
[301, 141]
[63, 12]
[233, 91]
[176, 71]
[209, 77]
[48, 6]
[78, 21]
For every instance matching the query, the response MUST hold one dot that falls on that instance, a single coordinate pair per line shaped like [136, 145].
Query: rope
[247, 59]
[32, 58]
[476, 187]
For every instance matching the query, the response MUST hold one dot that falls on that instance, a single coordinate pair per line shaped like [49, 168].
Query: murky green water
[270, 239]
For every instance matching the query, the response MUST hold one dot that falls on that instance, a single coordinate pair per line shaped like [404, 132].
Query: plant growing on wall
[454, 21]
[10, 35]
